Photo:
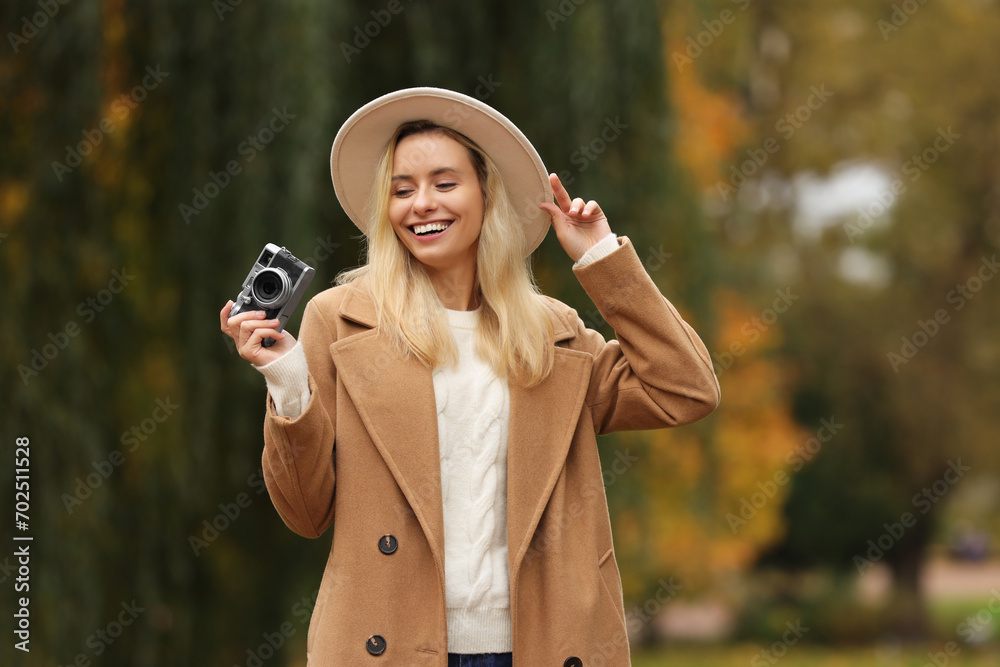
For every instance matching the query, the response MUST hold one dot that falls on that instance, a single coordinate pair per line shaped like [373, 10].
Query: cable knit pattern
[473, 407]
[492, 406]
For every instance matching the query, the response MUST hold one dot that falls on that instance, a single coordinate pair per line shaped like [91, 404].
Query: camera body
[275, 284]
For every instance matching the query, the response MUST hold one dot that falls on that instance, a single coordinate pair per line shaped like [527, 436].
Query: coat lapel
[395, 398]
[542, 422]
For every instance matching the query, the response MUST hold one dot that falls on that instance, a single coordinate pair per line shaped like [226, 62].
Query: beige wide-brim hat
[364, 136]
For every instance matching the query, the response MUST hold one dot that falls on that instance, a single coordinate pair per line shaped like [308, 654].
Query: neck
[455, 287]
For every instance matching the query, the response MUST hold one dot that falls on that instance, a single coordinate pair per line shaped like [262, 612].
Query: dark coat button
[573, 662]
[375, 644]
[387, 544]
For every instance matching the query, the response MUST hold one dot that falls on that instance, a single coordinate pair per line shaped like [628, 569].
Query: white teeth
[430, 227]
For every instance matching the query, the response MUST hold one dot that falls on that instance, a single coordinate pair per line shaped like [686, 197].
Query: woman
[441, 413]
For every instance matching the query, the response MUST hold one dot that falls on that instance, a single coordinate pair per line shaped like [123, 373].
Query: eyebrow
[440, 170]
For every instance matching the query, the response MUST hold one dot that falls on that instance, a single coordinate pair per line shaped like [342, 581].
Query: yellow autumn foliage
[694, 481]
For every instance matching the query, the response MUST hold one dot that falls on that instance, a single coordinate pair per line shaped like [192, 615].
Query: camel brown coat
[364, 457]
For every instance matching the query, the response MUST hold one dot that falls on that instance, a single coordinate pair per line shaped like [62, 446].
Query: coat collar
[383, 384]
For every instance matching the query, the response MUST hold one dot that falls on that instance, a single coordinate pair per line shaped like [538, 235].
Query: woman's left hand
[578, 225]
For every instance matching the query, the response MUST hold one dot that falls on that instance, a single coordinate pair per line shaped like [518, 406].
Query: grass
[811, 656]
[948, 615]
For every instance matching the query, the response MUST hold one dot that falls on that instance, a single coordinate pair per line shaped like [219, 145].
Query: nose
[424, 199]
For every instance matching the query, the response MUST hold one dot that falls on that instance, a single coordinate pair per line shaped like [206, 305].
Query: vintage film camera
[275, 284]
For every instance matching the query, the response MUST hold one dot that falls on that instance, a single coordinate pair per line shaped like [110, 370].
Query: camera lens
[271, 287]
[268, 287]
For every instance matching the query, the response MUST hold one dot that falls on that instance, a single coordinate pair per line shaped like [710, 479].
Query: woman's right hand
[249, 329]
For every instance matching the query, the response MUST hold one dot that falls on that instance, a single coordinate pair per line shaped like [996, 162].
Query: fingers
[562, 197]
[254, 347]
[224, 316]
[231, 325]
[551, 209]
[579, 210]
[251, 342]
[585, 210]
[249, 327]
[574, 207]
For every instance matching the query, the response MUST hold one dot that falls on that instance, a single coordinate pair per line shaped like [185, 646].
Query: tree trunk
[908, 617]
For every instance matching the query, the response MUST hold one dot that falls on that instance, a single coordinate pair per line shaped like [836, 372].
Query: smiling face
[435, 190]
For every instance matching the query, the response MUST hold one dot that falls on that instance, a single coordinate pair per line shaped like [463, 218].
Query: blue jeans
[480, 660]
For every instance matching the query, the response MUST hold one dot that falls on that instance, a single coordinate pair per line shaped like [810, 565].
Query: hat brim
[364, 136]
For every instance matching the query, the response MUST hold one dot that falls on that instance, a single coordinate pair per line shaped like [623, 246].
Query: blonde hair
[515, 333]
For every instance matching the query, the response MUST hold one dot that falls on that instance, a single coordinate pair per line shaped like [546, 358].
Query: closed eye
[405, 192]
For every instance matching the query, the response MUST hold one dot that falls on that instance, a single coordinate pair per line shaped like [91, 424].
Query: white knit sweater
[473, 411]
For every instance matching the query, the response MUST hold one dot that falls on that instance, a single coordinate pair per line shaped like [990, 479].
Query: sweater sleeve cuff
[288, 381]
[602, 248]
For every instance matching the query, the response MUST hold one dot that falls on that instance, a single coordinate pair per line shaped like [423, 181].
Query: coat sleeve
[657, 373]
[298, 453]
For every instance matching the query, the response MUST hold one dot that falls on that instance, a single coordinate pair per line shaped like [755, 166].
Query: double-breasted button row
[388, 544]
[375, 644]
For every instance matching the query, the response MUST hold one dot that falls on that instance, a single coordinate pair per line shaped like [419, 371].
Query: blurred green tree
[149, 150]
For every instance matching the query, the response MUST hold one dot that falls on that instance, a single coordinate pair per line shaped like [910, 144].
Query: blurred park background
[814, 183]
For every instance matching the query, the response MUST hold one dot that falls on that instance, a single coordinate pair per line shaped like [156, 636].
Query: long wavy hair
[515, 333]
